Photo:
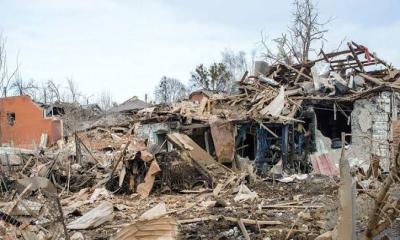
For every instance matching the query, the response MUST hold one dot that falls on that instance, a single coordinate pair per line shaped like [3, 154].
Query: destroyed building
[291, 154]
[25, 124]
[286, 112]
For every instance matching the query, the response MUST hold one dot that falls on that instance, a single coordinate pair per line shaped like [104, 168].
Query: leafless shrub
[306, 30]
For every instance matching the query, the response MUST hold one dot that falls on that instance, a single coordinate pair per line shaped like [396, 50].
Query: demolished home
[289, 112]
[290, 155]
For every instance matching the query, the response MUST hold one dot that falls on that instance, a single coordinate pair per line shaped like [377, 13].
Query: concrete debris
[99, 193]
[77, 236]
[157, 211]
[94, 218]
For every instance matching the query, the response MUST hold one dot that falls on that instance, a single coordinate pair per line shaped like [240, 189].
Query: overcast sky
[126, 46]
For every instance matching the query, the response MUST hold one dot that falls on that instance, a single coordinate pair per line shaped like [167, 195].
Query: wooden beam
[326, 59]
[19, 198]
[244, 76]
[298, 75]
[243, 229]
[373, 55]
[346, 225]
[364, 63]
[119, 159]
[356, 57]
[266, 128]
[302, 74]
[193, 126]
[371, 79]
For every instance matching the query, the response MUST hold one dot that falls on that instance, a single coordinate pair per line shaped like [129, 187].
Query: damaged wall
[150, 130]
[372, 117]
[23, 122]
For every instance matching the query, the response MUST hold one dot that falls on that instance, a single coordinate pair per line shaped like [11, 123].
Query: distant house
[80, 112]
[23, 122]
[51, 110]
[131, 105]
[198, 95]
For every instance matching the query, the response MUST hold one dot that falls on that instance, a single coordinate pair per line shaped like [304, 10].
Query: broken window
[11, 118]
[161, 140]
[333, 120]
[246, 142]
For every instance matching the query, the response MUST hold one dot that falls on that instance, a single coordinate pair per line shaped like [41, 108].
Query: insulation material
[245, 194]
[223, 135]
[320, 74]
[276, 106]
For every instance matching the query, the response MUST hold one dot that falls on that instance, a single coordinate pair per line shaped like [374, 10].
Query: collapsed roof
[275, 92]
[132, 104]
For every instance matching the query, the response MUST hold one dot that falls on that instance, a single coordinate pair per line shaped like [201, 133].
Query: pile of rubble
[278, 159]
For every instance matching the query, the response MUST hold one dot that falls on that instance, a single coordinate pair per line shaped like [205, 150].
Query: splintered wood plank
[203, 161]
[162, 228]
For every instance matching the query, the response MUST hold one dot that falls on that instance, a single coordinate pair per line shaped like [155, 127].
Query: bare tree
[54, 91]
[105, 100]
[306, 29]
[236, 63]
[5, 76]
[44, 93]
[73, 90]
[169, 90]
[18, 86]
[24, 87]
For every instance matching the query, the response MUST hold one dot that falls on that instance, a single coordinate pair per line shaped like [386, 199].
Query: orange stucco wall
[29, 123]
